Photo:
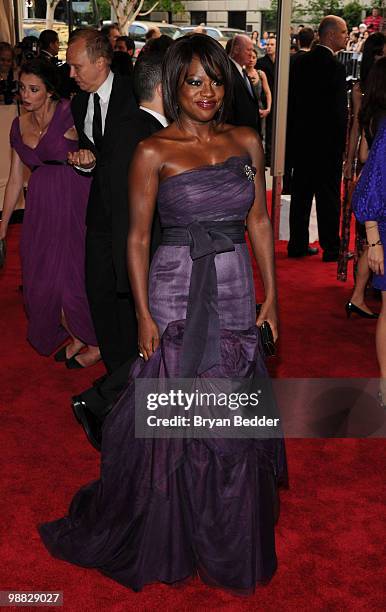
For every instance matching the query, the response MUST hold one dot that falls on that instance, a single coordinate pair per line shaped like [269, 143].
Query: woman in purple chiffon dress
[168, 509]
[53, 235]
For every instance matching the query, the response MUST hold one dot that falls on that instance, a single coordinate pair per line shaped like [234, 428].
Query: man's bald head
[241, 49]
[333, 32]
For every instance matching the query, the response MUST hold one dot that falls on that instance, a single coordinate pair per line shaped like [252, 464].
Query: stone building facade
[244, 14]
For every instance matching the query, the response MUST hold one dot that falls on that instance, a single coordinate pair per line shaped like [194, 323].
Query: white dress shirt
[244, 76]
[163, 121]
[104, 92]
[239, 68]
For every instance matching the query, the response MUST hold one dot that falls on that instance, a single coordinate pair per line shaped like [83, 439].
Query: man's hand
[82, 158]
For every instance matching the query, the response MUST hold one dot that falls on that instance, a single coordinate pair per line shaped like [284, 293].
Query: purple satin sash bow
[201, 341]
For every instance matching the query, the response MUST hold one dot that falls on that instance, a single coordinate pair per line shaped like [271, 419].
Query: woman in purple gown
[167, 509]
[369, 200]
[53, 235]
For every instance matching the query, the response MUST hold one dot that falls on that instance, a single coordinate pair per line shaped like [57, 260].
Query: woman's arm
[12, 192]
[268, 95]
[363, 152]
[369, 199]
[375, 255]
[260, 233]
[354, 132]
[143, 188]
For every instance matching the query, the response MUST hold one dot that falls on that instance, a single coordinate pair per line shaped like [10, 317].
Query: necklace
[41, 128]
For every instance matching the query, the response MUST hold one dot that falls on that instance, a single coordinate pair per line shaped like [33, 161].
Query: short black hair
[157, 45]
[147, 75]
[305, 37]
[177, 61]
[129, 42]
[46, 38]
[46, 71]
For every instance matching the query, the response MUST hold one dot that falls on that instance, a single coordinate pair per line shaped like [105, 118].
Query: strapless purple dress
[167, 509]
[53, 238]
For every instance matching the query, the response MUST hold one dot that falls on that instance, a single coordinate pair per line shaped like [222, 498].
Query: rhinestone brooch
[249, 172]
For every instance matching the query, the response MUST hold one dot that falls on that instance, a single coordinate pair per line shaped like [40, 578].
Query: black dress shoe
[328, 257]
[61, 355]
[350, 308]
[73, 364]
[312, 250]
[309, 251]
[91, 424]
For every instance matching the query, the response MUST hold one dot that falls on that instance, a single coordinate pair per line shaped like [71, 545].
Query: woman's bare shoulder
[241, 135]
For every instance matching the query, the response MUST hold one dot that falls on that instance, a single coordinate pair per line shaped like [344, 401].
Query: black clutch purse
[3, 251]
[266, 336]
[267, 340]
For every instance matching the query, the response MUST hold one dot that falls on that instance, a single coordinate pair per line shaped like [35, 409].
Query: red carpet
[331, 533]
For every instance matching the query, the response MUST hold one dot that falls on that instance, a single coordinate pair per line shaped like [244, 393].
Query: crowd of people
[143, 178]
[360, 33]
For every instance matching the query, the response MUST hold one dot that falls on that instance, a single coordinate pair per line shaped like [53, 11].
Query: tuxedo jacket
[294, 58]
[245, 106]
[48, 57]
[317, 110]
[107, 209]
[141, 125]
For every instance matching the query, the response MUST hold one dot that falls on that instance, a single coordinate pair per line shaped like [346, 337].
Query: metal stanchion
[284, 11]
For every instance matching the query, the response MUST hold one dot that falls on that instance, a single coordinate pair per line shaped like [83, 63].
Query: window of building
[197, 17]
[237, 19]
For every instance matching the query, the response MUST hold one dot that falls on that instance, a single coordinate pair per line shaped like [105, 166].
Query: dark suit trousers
[113, 314]
[322, 180]
[101, 397]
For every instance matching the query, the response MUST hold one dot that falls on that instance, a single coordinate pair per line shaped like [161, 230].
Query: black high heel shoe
[61, 354]
[73, 364]
[351, 308]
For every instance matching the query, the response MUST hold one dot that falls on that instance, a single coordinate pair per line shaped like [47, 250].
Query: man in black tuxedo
[245, 108]
[92, 405]
[101, 114]
[318, 120]
[49, 46]
[267, 65]
[305, 38]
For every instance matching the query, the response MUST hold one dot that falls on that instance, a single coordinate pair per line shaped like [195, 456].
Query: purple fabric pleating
[201, 344]
[53, 238]
[167, 509]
